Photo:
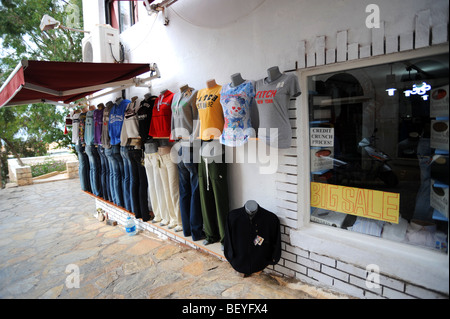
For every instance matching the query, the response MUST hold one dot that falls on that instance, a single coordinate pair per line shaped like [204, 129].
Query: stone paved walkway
[48, 236]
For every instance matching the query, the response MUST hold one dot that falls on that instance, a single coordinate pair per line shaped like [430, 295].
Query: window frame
[303, 158]
[117, 16]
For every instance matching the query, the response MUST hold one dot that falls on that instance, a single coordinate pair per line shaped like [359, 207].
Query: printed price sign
[322, 136]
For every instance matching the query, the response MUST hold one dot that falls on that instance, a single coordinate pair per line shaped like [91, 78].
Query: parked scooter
[378, 167]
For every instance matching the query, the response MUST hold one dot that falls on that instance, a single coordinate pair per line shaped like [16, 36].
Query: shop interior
[389, 125]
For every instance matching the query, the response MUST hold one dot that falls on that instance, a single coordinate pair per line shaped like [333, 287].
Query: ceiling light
[391, 85]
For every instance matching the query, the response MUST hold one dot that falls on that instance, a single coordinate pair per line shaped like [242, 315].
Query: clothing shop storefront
[323, 123]
[361, 148]
[362, 117]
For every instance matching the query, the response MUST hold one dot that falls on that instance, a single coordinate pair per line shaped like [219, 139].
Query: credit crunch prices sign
[356, 201]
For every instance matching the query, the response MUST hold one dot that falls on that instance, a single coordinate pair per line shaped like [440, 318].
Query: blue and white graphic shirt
[236, 103]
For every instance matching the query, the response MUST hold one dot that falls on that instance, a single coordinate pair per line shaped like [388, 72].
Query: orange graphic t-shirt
[210, 113]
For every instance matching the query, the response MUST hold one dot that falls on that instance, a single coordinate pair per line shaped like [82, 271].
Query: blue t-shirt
[116, 117]
[236, 103]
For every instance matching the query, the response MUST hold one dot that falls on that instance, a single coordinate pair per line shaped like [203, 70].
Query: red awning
[46, 81]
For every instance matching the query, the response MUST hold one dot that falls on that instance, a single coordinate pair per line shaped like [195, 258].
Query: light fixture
[391, 85]
[48, 23]
[419, 89]
[159, 7]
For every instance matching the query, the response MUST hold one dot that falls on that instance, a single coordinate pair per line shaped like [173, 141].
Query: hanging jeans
[104, 175]
[212, 180]
[190, 208]
[94, 169]
[169, 178]
[110, 177]
[141, 193]
[152, 164]
[117, 174]
[126, 178]
[83, 168]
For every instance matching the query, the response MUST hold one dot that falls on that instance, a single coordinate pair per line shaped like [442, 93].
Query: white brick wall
[324, 271]
[120, 215]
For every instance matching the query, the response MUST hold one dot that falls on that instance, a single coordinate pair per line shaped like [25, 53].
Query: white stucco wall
[215, 39]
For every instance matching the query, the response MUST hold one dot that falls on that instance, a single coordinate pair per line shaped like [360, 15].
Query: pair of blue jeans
[117, 175]
[104, 174]
[190, 208]
[94, 169]
[110, 177]
[83, 168]
[127, 179]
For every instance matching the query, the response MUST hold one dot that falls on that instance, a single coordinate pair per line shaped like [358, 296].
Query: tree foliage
[27, 130]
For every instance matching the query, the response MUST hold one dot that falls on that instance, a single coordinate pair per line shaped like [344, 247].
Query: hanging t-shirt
[81, 128]
[116, 117]
[106, 140]
[273, 104]
[145, 116]
[75, 128]
[162, 116]
[210, 113]
[98, 124]
[130, 128]
[184, 113]
[89, 128]
[236, 103]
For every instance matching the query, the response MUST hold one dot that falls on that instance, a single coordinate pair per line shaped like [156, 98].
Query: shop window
[121, 14]
[379, 150]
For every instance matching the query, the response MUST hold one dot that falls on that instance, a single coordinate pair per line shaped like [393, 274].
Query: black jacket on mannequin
[251, 244]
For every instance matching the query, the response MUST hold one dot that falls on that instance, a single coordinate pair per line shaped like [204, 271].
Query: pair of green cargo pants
[212, 180]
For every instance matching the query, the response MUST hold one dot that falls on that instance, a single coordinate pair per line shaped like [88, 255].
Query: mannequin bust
[211, 83]
[118, 100]
[251, 207]
[134, 98]
[163, 149]
[85, 109]
[109, 104]
[91, 107]
[184, 88]
[147, 96]
[100, 106]
[236, 80]
[163, 91]
[151, 147]
[273, 73]
[164, 142]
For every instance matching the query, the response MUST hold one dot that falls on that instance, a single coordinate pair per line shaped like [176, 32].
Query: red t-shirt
[161, 115]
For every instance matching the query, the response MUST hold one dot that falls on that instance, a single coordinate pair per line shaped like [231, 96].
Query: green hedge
[48, 166]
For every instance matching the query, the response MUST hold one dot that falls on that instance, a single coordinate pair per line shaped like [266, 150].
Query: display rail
[120, 214]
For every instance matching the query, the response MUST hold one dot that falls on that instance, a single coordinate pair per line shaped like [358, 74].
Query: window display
[379, 150]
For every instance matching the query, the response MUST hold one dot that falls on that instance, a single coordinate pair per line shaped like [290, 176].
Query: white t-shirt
[75, 128]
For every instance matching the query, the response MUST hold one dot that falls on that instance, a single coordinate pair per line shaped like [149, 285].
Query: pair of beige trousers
[163, 187]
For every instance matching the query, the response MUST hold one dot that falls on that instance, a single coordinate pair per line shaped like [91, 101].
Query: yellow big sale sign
[356, 201]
